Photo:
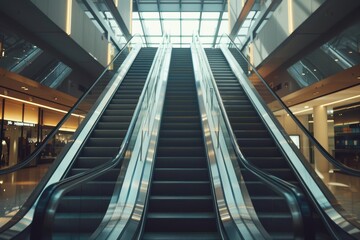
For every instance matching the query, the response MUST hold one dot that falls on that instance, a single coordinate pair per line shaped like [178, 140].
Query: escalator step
[180, 188]
[180, 236]
[178, 174]
[181, 204]
[180, 222]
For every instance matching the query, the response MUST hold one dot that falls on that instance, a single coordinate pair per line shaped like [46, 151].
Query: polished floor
[16, 187]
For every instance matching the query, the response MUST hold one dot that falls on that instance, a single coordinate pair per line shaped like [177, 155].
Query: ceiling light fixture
[341, 100]
[309, 109]
[40, 105]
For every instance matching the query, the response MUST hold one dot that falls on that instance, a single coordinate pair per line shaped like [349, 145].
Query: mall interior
[180, 119]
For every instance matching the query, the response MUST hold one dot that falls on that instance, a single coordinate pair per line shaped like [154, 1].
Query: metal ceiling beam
[242, 16]
[90, 5]
[219, 23]
[116, 14]
[263, 16]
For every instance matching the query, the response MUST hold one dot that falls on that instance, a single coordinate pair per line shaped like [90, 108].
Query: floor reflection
[346, 190]
[16, 187]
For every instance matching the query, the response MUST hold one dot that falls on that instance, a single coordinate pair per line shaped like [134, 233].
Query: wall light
[339, 101]
[40, 105]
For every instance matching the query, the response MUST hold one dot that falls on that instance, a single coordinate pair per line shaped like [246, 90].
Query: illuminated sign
[20, 124]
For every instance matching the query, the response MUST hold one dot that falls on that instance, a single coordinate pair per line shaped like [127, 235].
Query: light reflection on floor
[346, 189]
[16, 187]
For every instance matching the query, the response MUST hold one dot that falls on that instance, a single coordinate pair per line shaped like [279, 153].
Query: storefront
[24, 126]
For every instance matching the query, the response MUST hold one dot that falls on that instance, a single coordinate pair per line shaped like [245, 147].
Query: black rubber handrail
[343, 168]
[295, 199]
[46, 207]
[41, 146]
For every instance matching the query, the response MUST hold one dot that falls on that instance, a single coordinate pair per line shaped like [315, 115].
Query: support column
[321, 135]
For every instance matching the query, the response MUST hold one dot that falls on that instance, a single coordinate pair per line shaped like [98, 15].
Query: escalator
[81, 210]
[258, 146]
[180, 204]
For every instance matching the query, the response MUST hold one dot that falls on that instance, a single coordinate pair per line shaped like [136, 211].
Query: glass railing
[22, 182]
[334, 186]
[132, 157]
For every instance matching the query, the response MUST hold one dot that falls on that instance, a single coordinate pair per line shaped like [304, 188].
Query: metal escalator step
[276, 222]
[186, 142]
[91, 162]
[110, 175]
[283, 173]
[104, 142]
[112, 125]
[181, 222]
[270, 204]
[121, 106]
[87, 204]
[178, 174]
[106, 133]
[74, 222]
[181, 162]
[180, 236]
[180, 188]
[181, 204]
[115, 118]
[94, 188]
[99, 151]
[118, 112]
[183, 119]
[181, 151]
[181, 125]
[71, 235]
[261, 151]
[247, 126]
[243, 141]
[269, 162]
[180, 134]
[250, 134]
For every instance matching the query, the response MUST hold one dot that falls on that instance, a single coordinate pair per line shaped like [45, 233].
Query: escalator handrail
[49, 199]
[49, 136]
[293, 195]
[343, 168]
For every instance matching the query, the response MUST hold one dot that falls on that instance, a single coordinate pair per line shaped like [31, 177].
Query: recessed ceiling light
[306, 106]
[350, 52]
[358, 77]
[336, 60]
[55, 98]
[314, 69]
[303, 74]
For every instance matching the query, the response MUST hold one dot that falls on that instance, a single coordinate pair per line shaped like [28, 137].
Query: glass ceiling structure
[180, 26]
[180, 18]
